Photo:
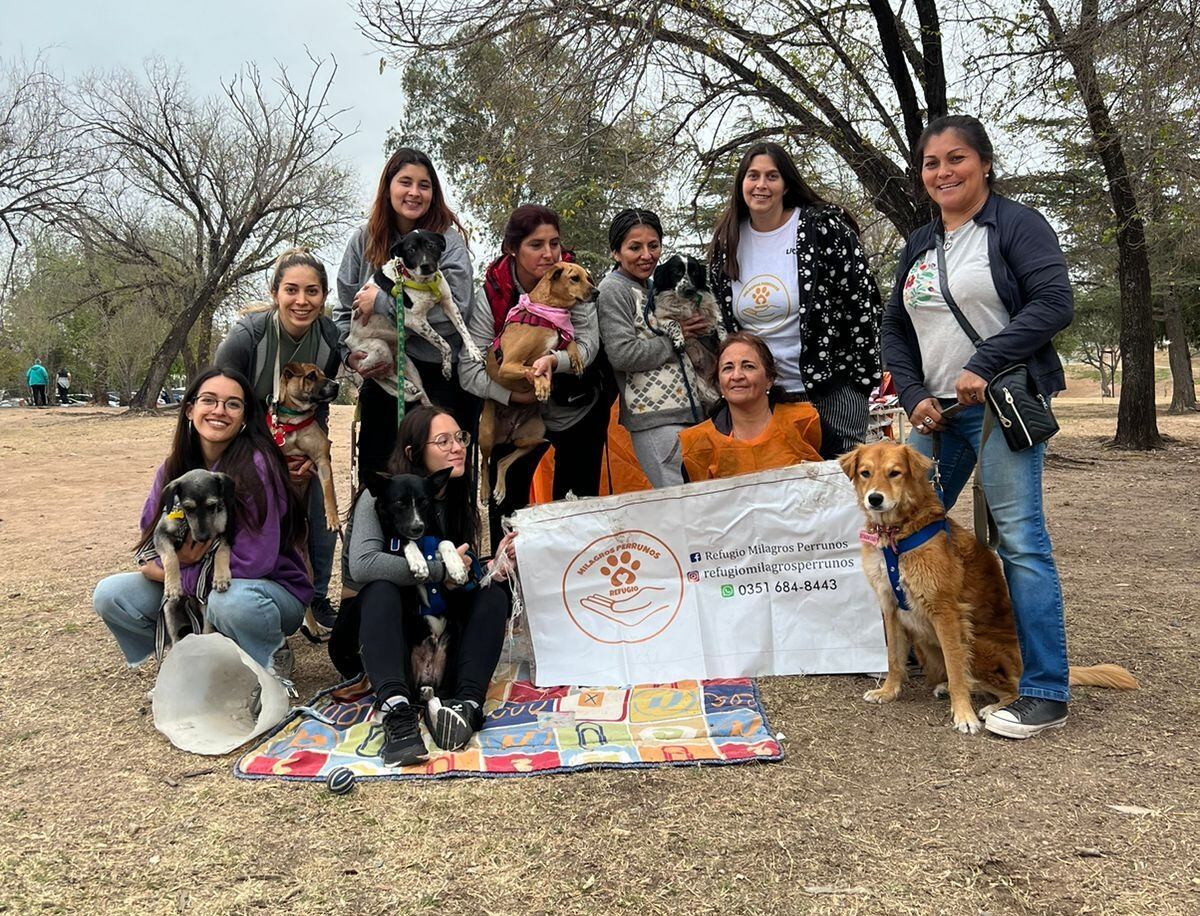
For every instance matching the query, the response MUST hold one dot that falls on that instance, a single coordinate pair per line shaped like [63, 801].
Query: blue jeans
[321, 540]
[1012, 482]
[255, 613]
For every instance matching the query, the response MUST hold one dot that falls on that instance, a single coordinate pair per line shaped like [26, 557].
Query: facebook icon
[694, 557]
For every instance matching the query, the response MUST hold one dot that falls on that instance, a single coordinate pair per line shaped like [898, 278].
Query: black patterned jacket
[840, 306]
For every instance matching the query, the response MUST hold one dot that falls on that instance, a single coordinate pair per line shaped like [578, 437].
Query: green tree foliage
[486, 116]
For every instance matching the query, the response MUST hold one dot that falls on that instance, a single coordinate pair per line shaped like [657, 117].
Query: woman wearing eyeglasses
[376, 630]
[221, 428]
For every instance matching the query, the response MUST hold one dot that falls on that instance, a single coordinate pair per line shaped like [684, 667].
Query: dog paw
[221, 583]
[576, 363]
[174, 592]
[941, 691]
[541, 388]
[447, 371]
[989, 709]
[967, 724]
[881, 695]
[456, 569]
[416, 562]
[476, 354]
[332, 522]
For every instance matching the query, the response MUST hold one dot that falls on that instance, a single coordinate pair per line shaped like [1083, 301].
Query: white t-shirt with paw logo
[766, 300]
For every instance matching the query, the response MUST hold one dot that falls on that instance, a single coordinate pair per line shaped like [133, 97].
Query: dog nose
[875, 500]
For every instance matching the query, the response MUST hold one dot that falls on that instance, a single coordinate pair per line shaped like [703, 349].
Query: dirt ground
[876, 810]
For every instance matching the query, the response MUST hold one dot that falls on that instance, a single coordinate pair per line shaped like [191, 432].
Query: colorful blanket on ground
[531, 730]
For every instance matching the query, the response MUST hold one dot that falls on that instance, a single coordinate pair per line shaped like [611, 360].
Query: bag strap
[985, 525]
[939, 244]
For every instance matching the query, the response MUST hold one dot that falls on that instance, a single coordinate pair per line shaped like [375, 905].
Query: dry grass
[874, 811]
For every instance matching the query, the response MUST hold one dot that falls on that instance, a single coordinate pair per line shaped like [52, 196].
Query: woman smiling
[756, 428]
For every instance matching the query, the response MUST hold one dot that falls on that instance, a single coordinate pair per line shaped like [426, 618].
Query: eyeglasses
[446, 440]
[232, 405]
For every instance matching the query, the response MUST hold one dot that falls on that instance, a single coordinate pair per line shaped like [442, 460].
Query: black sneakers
[452, 724]
[1025, 717]
[323, 611]
[402, 741]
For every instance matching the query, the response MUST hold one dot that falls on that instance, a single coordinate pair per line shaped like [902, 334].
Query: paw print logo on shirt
[760, 294]
[621, 570]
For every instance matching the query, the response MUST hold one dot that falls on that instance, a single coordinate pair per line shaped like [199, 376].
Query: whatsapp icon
[726, 591]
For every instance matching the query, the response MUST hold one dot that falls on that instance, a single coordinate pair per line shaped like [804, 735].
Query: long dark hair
[797, 193]
[238, 461]
[973, 133]
[438, 218]
[408, 457]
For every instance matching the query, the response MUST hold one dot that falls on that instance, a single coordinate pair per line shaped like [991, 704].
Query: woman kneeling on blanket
[221, 428]
[377, 628]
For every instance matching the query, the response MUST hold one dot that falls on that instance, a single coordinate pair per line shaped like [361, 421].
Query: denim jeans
[255, 613]
[321, 540]
[1012, 482]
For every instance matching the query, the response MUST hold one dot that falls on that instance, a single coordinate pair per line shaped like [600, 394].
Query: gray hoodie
[356, 271]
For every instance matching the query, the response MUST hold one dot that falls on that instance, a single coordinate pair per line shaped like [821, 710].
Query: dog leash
[986, 532]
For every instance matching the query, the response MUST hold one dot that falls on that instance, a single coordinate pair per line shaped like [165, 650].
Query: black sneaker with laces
[402, 741]
[1025, 717]
[323, 611]
[451, 724]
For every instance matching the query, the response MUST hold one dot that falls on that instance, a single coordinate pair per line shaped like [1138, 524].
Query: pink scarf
[526, 312]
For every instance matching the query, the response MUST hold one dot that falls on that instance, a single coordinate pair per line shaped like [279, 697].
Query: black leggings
[377, 415]
[376, 630]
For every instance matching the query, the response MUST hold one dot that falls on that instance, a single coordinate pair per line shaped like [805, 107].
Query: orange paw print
[760, 294]
[623, 574]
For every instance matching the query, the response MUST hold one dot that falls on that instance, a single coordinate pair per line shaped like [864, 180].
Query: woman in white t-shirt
[787, 266]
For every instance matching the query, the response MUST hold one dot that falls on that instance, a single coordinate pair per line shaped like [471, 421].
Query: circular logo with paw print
[764, 304]
[625, 587]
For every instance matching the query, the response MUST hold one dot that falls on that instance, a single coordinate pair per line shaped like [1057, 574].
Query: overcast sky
[212, 42]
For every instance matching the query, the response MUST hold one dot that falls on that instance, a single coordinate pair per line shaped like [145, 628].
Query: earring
[242, 430]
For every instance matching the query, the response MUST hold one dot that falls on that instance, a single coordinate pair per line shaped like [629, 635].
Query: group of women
[794, 367]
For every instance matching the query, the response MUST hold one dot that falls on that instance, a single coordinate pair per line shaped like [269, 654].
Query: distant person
[37, 378]
[1007, 274]
[788, 266]
[756, 426]
[63, 383]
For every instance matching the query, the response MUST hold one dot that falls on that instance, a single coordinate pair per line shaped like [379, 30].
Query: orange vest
[793, 435]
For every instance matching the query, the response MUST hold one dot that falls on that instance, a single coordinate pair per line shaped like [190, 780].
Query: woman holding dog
[657, 401]
[221, 428]
[377, 629]
[409, 196]
[788, 266]
[576, 416]
[757, 425]
[259, 345]
[1007, 274]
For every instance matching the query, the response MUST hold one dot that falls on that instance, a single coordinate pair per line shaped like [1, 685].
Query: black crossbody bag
[1024, 415]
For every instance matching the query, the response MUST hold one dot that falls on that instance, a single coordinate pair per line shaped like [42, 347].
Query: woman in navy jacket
[1008, 276]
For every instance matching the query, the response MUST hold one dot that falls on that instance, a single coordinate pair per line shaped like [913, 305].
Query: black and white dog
[681, 292]
[408, 514]
[417, 270]
[201, 504]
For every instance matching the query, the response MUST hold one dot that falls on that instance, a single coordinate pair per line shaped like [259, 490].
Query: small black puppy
[409, 516]
[202, 504]
[681, 292]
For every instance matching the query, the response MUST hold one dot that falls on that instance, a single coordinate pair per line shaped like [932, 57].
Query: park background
[152, 163]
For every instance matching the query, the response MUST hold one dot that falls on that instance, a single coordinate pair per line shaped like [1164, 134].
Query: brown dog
[510, 363]
[292, 421]
[960, 617]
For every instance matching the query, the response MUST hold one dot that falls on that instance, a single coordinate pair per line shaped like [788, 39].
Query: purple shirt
[257, 552]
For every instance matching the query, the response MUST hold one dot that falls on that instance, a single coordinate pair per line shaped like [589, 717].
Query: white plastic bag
[211, 697]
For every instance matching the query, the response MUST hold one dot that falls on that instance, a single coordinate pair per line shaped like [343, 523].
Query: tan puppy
[510, 363]
[292, 421]
[960, 617]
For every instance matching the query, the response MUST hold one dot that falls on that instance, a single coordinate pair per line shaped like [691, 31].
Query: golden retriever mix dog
[959, 617]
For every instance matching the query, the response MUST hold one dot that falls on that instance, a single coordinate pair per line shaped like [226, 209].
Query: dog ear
[228, 490]
[377, 484]
[918, 465]
[849, 463]
[167, 499]
[556, 272]
[437, 480]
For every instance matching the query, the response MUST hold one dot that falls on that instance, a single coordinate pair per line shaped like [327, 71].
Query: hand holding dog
[696, 326]
[300, 467]
[364, 299]
[379, 371]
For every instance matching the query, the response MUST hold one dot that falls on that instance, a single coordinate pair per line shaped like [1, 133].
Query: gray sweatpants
[660, 454]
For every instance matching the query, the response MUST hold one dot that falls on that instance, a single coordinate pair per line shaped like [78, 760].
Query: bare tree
[860, 80]
[41, 168]
[203, 193]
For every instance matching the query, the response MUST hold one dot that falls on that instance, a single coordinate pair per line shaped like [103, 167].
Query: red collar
[279, 429]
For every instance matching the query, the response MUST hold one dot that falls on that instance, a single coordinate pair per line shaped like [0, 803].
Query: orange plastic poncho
[793, 435]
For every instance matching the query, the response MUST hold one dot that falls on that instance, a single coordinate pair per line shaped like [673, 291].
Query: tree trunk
[204, 338]
[100, 380]
[1137, 423]
[1183, 385]
[175, 341]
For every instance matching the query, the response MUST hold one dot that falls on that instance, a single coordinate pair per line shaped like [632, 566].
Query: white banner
[752, 575]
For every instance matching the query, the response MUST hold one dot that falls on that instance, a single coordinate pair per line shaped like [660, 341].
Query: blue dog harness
[893, 549]
[433, 602]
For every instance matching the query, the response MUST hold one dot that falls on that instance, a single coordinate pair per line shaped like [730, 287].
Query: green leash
[398, 295]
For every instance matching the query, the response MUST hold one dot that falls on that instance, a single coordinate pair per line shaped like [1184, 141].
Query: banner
[753, 575]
